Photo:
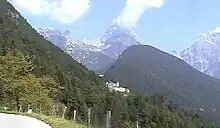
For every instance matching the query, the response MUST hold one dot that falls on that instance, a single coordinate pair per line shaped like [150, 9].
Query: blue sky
[165, 24]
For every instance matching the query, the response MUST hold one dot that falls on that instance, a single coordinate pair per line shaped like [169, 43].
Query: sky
[165, 24]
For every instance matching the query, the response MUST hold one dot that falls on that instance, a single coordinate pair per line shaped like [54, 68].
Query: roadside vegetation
[53, 121]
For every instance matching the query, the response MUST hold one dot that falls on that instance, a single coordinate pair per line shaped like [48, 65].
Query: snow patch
[217, 30]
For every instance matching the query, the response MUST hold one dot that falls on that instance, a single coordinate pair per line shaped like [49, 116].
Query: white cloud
[134, 9]
[64, 11]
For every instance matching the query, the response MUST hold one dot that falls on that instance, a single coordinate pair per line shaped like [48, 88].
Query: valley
[169, 76]
[51, 71]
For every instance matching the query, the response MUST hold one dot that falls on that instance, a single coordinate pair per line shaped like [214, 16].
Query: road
[17, 121]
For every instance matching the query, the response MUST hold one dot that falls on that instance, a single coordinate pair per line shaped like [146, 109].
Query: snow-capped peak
[48, 29]
[204, 53]
[67, 32]
[116, 30]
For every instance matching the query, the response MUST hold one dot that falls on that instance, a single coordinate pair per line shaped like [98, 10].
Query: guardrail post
[108, 119]
[74, 115]
[89, 117]
[64, 111]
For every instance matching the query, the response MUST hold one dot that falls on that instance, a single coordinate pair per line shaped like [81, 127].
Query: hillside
[146, 69]
[22, 49]
[18, 34]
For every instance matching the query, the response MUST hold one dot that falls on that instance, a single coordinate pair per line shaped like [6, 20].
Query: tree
[19, 86]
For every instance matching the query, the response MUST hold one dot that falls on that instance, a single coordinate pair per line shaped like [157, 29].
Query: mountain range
[96, 55]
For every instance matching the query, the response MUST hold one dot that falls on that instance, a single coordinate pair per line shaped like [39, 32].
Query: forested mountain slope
[34, 72]
[22, 48]
[146, 69]
[17, 33]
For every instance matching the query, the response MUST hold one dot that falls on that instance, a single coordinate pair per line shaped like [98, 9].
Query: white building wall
[116, 87]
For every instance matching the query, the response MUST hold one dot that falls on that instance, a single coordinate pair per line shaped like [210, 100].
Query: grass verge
[54, 122]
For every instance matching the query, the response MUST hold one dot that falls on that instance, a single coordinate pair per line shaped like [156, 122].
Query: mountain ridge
[160, 72]
[103, 51]
[203, 54]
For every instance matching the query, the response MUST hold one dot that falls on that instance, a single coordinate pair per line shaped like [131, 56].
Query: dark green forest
[160, 72]
[35, 72]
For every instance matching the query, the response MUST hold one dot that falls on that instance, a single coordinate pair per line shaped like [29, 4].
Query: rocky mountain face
[174, 53]
[117, 39]
[99, 54]
[204, 53]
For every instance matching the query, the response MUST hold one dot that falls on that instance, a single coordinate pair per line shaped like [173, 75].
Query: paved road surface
[16, 121]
